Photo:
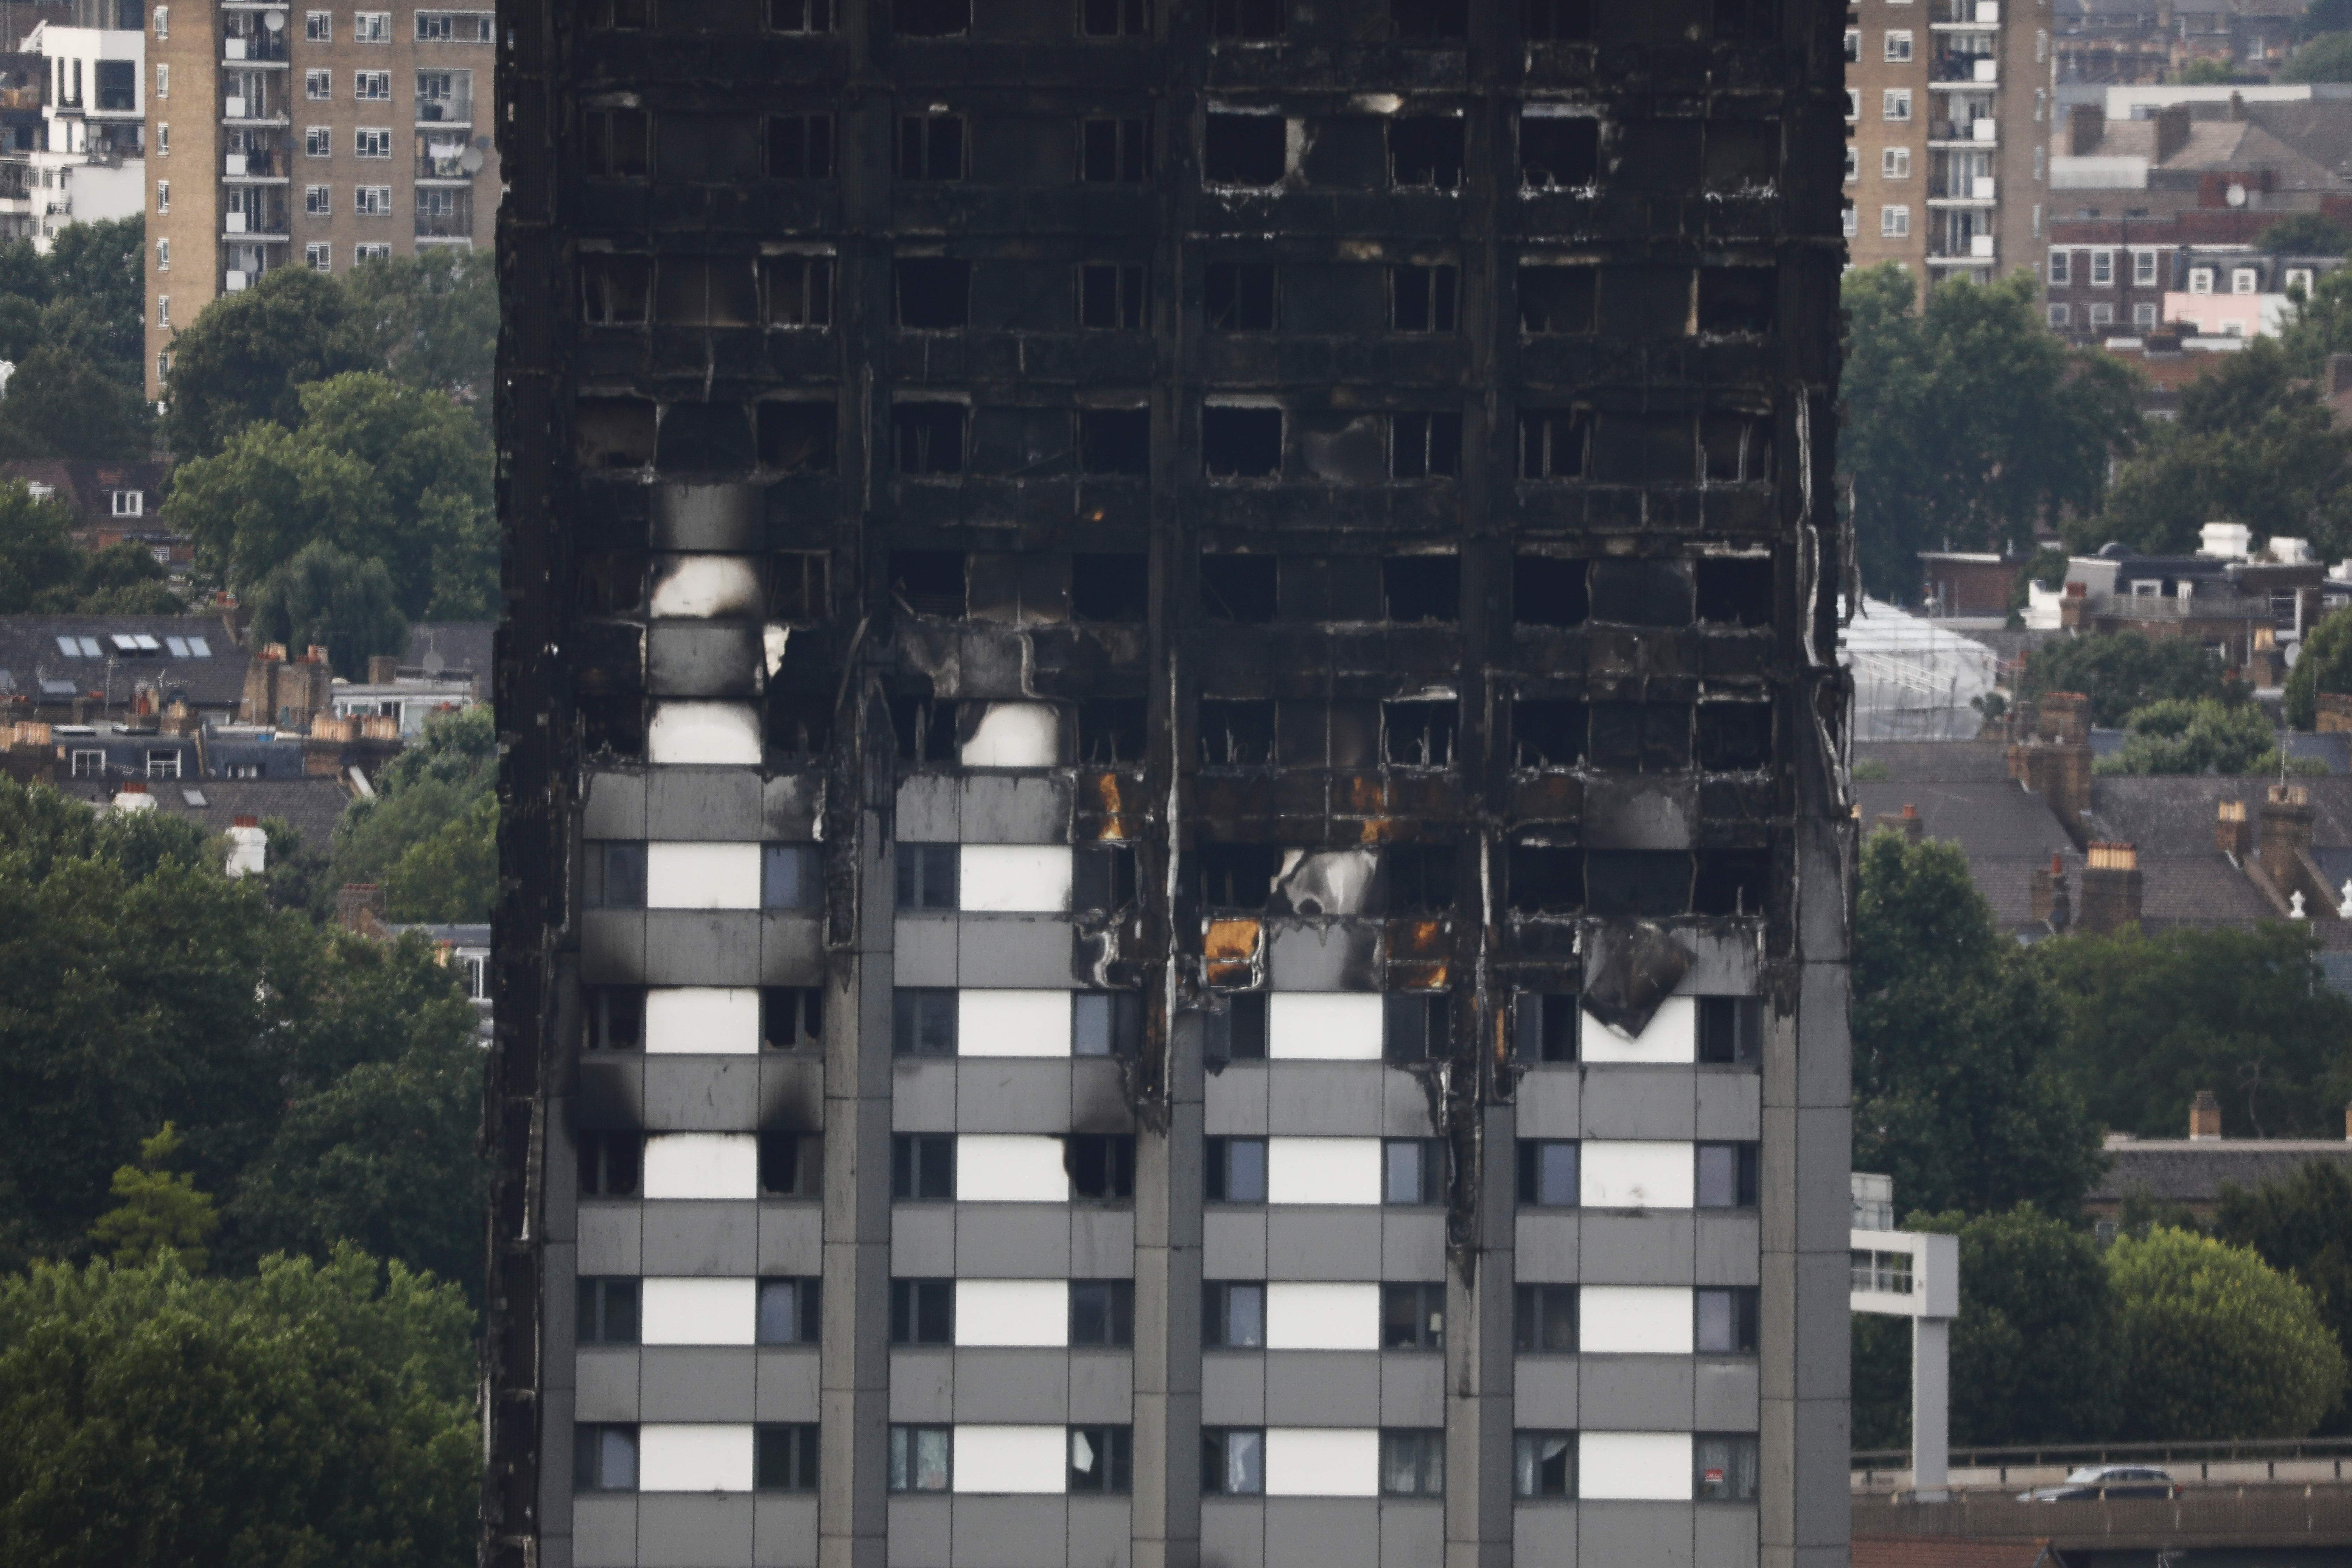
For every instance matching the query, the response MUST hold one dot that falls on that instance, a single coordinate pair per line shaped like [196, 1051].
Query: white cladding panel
[1013, 1023]
[1637, 1466]
[702, 1165]
[1322, 1461]
[1323, 1025]
[1013, 1312]
[1012, 1459]
[1014, 879]
[696, 731]
[1635, 1174]
[697, 876]
[694, 1458]
[700, 1312]
[1323, 1169]
[1010, 1168]
[1634, 1320]
[1015, 735]
[1321, 1317]
[702, 1020]
[1672, 1036]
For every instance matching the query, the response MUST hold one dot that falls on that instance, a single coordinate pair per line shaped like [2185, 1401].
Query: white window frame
[2143, 269]
[372, 26]
[2302, 278]
[317, 140]
[2102, 269]
[132, 503]
[360, 142]
[319, 256]
[2246, 280]
[1852, 162]
[1852, 220]
[162, 139]
[163, 195]
[163, 21]
[163, 255]
[2061, 267]
[1898, 47]
[319, 87]
[2103, 314]
[319, 26]
[163, 79]
[2201, 280]
[374, 252]
[372, 201]
[1895, 163]
[2144, 313]
[2061, 313]
[1853, 104]
[318, 201]
[1894, 223]
[88, 763]
[163, 319]
[1853, 46]
[363, 81]
[1894, 105]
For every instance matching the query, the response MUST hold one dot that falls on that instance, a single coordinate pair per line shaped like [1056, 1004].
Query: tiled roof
[83, 486]
[1935, 1551]
[311, 807]
[2196, 890]
[1936, 761]
[2177, 1171]
[1995, 820]
[2161, 815]
[2007, 883]
[28, 646]
[462, 644]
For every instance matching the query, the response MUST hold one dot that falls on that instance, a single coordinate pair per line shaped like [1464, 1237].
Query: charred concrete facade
[1175, 857]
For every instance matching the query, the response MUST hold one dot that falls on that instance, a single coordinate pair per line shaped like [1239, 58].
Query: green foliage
[429, 837]
[124, 580]
[137, 985]
[60, 404]
[2325, 16]
[2301, 1224]
[322, 597]
[2305, 234]
[2255, 443]
[2215, 1345]
[1966, 422]
[2123, 672]
[244, 359]
[2324, 665]
[2205, 73]
[2033, 1350]
[432, 319]
[380, 471]
[2173, 736]
[2326, 57]
[2148, 1020]
[94, 309]
[163, 1214]
[1956, 1091]
[1871, 768]
[313, 1414]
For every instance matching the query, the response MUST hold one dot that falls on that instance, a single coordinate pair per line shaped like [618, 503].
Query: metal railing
[2196, 606]
[458, 111]
[444, 225]
[1957, 66]
[452, 168]
[2305, 1515]
[258, 46]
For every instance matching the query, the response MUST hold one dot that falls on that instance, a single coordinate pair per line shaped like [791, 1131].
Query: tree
[2147, 1020]
[2301, 1224]
[1956, 1091]
[1967, 422]
[322, 597]
[383, 473]
[429, 835]
[36, 554]
[313, 1414]
[2255, 443]
[2326, 58]
[432, 319]
[2215, 1345]
[2123, 672]
[2324, 665]
[244, 358]
[2305, 234]
[2205, 736]
[2205, 73]
[2323, 16]
[2032, 1352]
[124, 580]
[61, 405]
[163, 1214]
[96, 279]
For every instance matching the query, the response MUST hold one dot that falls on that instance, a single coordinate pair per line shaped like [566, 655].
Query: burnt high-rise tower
[1175, 873]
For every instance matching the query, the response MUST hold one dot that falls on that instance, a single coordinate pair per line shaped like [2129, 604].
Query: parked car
[2093, 1482]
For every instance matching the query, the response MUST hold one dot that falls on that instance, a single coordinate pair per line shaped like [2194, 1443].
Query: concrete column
[1931, 1408]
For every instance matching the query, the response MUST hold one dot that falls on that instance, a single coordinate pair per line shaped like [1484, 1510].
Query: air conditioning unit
[1980, 187]
[1981, 246]
[237, 280]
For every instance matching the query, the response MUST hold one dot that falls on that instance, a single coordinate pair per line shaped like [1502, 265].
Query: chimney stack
[2086, 128]
[360, 907]
[383, 669]
[2232, 834]
[2056, 762]
[2111, 888]
[2285, 834]
[2047, 893]
[2205, 1118]
[1910, 823]
[249, 847]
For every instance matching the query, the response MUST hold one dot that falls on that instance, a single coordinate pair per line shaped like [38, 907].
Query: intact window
[1232, 1315]
[923, 1167]
[792, 877]
[1543, 1464]
[1724, 1466]
[921, 1459]
[616, 874]
[1413, 1171]
[791, 1311]
[1234, 1169]
[607, 1312]
[922, 1312]
[926, 876]
[1232, 1461]
[1412, 1317]
[923, 1022]
[604, 1457]
[1102, 1312]
[1724, 1320]
[1727, 1175]
[1547, 1174]
[784, 1458]
[1543, 1318]
[1413, 1463]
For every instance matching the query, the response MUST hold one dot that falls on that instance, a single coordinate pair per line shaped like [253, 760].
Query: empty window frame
[1248, 21]
[1101, 1167]
[1232, 1315]
[606, 1312]
[929, 437]
[1413, 1171]
[1547, 1174]
[1429, 21]
[1731, 1030]
[1559, 151]
[1415, 1026]
[1418, 734]
[799, 147]
[1115, 19]
[1725, 1176]
[1233, 1169]
[792, 1018]
[1555, 21]
[800, 16]
[1412, 1317]
[1115, 151]
[1553, 442]
[1112, 295]
[1549, 590]
[615, 144]
[1244, 150]
[1112, 731]
[1242, 589]
[1545, 1026]
[1102, 1459]
[1236, 1029]
[1543, 1319]
[923, 1167]
[922, 1312]
[930, 146]
[616, 874]
[1424, 445]
[1232, 1461]
[930, 18]
[790, 1312]
[1241, 441]
[1102, 1313]
[933, 293]
[1421, 588]
[1242, 297]
[1110, 587]
[1423, 299]
[615, 1017]
[791, 1165]
[615, 290]
[610, 1163]
[1426, 152]
[1114, 441]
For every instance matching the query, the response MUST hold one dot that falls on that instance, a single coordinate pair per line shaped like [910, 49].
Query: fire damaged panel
[1337, 495]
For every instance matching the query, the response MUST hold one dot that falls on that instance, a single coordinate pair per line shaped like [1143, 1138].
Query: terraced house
[1174, 859]
[313, 134]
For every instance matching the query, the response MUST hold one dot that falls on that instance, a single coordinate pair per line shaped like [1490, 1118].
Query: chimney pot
[1910, 810]
[2205, 1118]
[245, 822]
[135, 786]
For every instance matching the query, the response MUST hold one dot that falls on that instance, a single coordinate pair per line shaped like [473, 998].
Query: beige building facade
[1948, 120]
[315, 135]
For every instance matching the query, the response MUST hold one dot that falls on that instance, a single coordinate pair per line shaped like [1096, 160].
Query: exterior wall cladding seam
[1631, 784]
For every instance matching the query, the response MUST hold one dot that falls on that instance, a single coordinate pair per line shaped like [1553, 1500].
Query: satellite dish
[432, 662]
[2235, 195]
[274, 20]
[470, 159]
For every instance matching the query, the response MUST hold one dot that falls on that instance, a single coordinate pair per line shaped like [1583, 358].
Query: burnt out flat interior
[1242, 589]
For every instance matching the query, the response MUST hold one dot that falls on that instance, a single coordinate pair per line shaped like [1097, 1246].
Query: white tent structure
[1913, 679]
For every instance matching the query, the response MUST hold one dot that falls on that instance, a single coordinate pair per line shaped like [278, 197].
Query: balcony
[1962, 188]
[265, 164]
[262, 48]
[1956, 250]
[454, 111]
[1983, 131]
[444, 162]
[1965, 14]
[254, 108]
[1953, 69]
[448, 225]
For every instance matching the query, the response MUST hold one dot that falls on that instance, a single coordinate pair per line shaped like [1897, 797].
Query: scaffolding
[1914, 680]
